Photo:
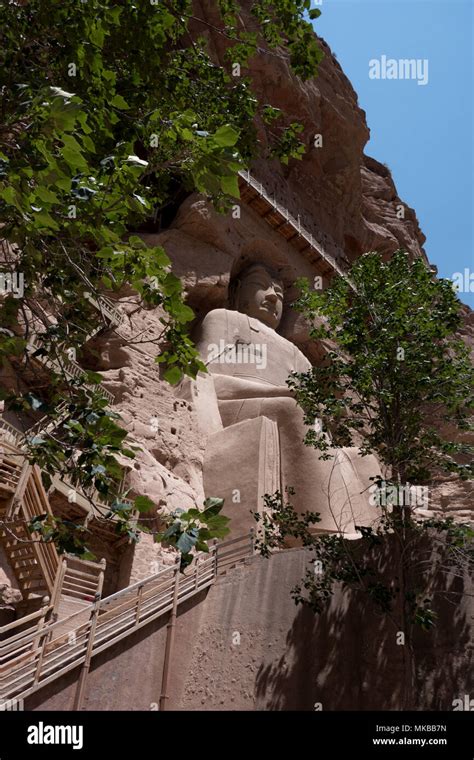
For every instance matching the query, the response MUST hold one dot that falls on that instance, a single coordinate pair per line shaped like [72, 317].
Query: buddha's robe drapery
[249, 365]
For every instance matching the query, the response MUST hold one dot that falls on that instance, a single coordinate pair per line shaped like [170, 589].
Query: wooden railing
[46, 651]
[46, 424]
[34, 503]
[11, 464]
[80, 579]
[283, 212]
[106, 307]
[19, 644]
[10, 434]
[233, 550]
[67, 366]
[34, 561]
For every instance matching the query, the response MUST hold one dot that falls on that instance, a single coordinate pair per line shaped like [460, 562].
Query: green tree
[397, 382]
[110, 109]
[396, 374]
[405, 568]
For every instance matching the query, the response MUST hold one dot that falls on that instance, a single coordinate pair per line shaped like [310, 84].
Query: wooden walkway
[38, 651]
[111, 315]
[278, 217]
[22, 499]
[74, 623]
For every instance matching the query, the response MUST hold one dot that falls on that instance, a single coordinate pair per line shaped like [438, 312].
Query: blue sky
[424, 133]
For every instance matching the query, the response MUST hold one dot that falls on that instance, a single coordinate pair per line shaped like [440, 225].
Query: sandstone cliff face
[287, 659]
[346, 199]
[336, 190]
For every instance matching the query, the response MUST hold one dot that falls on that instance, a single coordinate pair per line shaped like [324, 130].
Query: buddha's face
[261, 296]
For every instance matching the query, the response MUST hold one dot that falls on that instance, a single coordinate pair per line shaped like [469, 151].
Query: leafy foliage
[279, 522]
[68, 536]
[429, 548]
[396, 372]
[193, 529]
[110, 109]
[397, 382]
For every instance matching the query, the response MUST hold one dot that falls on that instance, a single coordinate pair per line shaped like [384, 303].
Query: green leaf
[186, 541]
[119, 102]
[144, 504]
[225, 136]
[93, 377]
[45, 220]
[87, 143]
[9, 196]
[64, 183]
[172, 530]
[194, 514]
[230, 185]
[183, 313]
[74, 159]
[46, 195]
[173, 375]
[213, 506]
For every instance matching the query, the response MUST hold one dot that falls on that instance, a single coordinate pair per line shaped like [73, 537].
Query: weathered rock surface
[9, 595]
[247, 646]
[348, 200]
[335, 189]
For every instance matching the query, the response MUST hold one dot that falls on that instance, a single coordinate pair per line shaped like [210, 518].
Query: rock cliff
[287, 659]
[343, 197]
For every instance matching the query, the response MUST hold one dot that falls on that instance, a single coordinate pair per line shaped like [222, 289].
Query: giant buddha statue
[254, 428]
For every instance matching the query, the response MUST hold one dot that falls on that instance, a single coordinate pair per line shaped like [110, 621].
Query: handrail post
[100, 580]
[58, 584]
[41, 621]
[15, 505]
[37, 647]
[139, 604]
[169, 640]
[196, 573]
[79, 696]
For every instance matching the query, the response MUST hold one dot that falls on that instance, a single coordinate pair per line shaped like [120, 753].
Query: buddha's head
[258, 292]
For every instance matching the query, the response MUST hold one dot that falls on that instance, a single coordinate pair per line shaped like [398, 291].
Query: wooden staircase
[69, 368]
[22, 498]
[80, 581]
[24, 563]
[78, 584]
[38, 650]
[35, 562]
[110, 315]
